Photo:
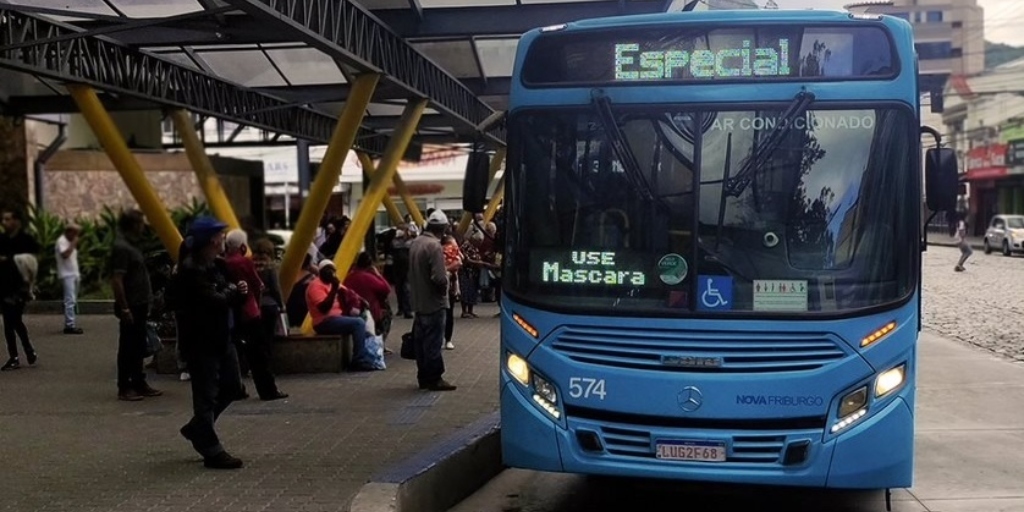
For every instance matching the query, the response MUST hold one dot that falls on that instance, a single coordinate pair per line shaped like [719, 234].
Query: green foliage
[96, 239]
[998, 53]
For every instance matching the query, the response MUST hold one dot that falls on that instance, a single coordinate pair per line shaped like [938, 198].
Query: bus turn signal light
[877, 335]
[525, 325]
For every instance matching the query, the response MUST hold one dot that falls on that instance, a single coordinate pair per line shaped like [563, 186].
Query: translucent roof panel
[155, 8]
[381, 109]
[456, 57]
[89, 6]
[179, 58]
[246, 67]
[497, 55]
[385, 4]
[306, 66]
[16, 83]
[428, 4]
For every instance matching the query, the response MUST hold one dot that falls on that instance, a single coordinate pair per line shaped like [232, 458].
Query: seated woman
[368, 283]
[335, 309]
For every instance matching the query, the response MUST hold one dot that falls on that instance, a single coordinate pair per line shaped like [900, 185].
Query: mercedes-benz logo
[690, 399]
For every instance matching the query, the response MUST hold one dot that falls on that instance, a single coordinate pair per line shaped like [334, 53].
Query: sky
[1003, 18]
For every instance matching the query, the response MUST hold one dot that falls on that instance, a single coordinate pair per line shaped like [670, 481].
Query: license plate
[700, 451]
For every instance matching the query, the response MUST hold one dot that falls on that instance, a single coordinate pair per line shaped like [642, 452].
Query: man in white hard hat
[428, 283]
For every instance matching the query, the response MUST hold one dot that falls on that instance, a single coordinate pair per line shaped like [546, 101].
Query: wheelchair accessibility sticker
[714, 292]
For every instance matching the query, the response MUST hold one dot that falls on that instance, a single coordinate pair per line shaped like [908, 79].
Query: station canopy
[281, 66]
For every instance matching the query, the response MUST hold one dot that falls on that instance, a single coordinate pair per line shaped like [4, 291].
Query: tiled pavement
[67, 443]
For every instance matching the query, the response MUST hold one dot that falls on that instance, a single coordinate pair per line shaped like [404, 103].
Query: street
[981, 305]
[963, 428]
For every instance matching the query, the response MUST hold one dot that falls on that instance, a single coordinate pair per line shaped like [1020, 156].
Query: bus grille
[679, 351]
[746, 449]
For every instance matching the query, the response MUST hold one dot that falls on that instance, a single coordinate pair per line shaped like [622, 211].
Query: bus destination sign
[632, 64]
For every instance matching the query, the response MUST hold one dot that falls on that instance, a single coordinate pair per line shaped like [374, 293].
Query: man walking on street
[428, 283]
[133, 295]
[203, 299]
[69, 274]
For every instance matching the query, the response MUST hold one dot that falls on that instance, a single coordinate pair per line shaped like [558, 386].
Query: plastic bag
[371, 357]
[153, 343]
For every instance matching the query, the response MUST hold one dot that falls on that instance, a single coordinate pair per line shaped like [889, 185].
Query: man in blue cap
[203, 299]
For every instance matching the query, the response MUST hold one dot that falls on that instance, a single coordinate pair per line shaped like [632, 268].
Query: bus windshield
[734, 210]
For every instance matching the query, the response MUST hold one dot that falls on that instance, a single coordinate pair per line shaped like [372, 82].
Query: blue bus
[713, 236]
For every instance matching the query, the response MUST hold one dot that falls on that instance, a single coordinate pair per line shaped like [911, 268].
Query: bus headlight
[545, 389]
[890, 380]
[852, 407]
[545, 396]
[853, 402]
[518, 369]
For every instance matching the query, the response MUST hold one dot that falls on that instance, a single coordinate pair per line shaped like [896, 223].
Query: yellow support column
[205, 173]
[496, 163]
[389, 204]
[330, 170]
[386, 170]
[492, 206]
[410, 204]
[131, 172]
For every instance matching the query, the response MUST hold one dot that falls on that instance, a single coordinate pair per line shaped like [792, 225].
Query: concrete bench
[295, 353]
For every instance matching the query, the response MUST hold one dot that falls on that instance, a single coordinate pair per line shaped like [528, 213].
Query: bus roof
[725, 16]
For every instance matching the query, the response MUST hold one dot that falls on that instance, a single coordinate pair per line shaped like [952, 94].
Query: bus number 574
[585, 387]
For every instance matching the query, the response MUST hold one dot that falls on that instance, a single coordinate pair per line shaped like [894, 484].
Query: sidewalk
[68, 444]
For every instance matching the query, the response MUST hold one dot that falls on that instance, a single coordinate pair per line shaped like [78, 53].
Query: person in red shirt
[335, 309]
[368, 283]
[248, 318]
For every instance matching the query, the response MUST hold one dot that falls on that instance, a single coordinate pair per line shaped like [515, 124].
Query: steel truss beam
[224, 29]
[113, 67]
[326, 93]
[349, 33]
[505, 19]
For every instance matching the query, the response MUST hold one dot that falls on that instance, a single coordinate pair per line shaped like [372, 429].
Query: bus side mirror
[941, 178]
[474, 185]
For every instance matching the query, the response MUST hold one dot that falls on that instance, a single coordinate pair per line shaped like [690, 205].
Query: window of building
[929, 51]
[957, 24]
[956, 52]
[934, 16]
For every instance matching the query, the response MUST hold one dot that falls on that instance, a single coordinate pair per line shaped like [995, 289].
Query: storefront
[996, 175]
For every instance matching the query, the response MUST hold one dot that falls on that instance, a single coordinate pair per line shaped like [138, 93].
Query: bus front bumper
[874, 454]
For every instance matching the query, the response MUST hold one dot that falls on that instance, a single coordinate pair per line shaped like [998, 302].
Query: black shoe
[11, 364]
[186, 432]
[222, 460]
[442, 385]
[129, 395]
[32, 358]
[276, 396]
[73, 330]
[144, 390]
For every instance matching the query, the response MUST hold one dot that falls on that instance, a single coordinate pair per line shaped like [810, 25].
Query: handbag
[153, 343]
[408, 350]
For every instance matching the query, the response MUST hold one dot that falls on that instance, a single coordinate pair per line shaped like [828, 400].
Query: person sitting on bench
[334, 308]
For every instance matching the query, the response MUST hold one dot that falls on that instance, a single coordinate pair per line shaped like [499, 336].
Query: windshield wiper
[603, 108]
[737, 184]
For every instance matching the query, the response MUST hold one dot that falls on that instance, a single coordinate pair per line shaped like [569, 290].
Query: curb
[439, 477]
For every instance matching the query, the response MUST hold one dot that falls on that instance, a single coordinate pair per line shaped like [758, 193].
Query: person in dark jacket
[204, 299]
[14, 289]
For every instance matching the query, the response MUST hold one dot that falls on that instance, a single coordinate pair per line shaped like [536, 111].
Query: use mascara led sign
[632, 64]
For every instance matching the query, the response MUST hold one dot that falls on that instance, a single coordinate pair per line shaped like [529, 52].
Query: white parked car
[1006, 233]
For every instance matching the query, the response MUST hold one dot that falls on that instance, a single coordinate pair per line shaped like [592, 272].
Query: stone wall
[79, 183]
